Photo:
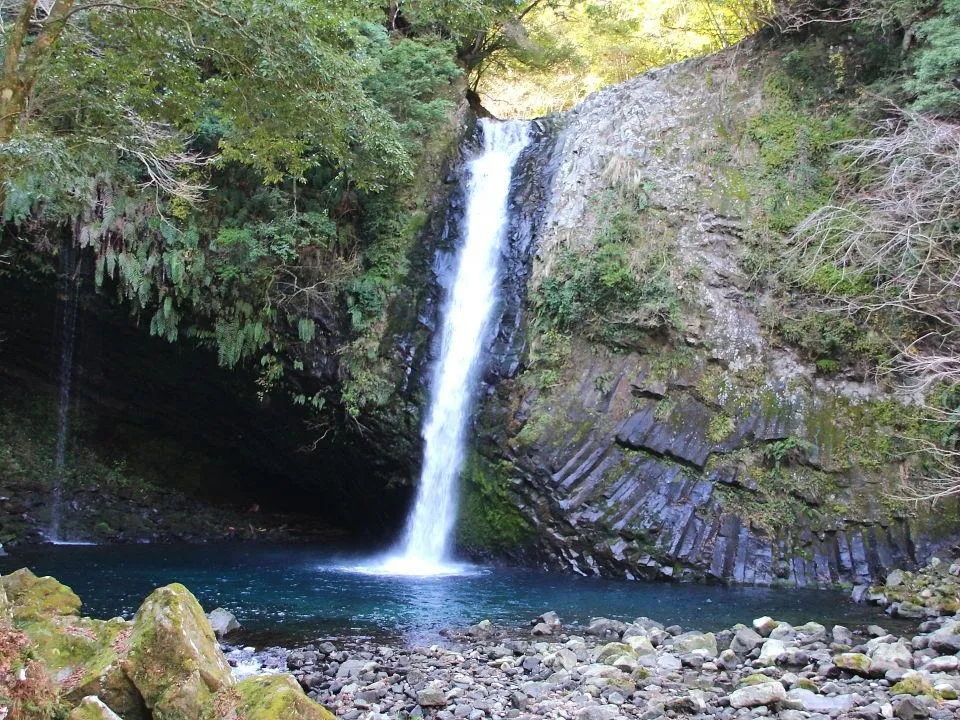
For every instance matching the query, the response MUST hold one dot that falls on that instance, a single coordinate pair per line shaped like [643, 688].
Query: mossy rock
[914, 685]
[611, 651]
[103, 675]
[92, 708]
[173, 657]
[35, 597]
[856, 663]
[755, 679]
[265, 697]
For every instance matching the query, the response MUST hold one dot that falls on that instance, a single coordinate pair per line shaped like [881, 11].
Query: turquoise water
[290, 594]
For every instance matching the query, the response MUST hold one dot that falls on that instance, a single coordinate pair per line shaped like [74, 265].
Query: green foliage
[795, 149]
[779, 451]
[238, 171]
[619, 289]
[489, 518]
[936, 62]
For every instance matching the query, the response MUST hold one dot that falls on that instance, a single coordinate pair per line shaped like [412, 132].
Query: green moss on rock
[173, 658]
[265, 697]
[489, 516]
[92, 708]
[35, 597]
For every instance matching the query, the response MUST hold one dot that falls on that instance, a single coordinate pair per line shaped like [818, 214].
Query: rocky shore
[166, 664]
[641, 669]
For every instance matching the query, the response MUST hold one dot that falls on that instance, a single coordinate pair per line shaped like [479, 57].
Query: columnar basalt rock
[708, 449]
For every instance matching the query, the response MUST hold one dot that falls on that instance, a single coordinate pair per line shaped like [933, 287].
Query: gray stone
[771, 651]
[813, 702]
[693, 641]
[946, 640]
[598, 712]
[745, 641]
[765, 625]
[894, 653]
[766, 693]
[222, 621]
[842, 635]
[910, 709]
[605, 628]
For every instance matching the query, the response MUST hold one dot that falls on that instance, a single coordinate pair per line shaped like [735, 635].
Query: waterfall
[68, 303]
[466, 329]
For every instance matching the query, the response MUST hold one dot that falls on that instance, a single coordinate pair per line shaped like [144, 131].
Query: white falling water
[466, 325]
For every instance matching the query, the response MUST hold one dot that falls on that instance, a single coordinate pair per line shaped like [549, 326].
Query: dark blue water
[291, 594]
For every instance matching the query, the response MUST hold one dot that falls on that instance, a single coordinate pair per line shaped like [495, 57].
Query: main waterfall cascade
[467, 312]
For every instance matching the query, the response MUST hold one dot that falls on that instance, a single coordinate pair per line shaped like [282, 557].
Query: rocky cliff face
[700, 444]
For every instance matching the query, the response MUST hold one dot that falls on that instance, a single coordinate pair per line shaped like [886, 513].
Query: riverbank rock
[265, 697]
[765, 693]
[173, 657]
[92, 708]
[223, 622]
[33, 597]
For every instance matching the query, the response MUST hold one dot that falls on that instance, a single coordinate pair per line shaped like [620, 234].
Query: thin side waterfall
[425, 547]
[69, 301]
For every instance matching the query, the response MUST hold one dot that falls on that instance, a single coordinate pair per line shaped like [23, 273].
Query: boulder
[745, 641]
[4, 602]
[764, 625]
[223, 622]
[913, 684]
[640, 645]
[173, 658]
[696, 641]
[264, 697]
[766, 693]
[92, 708]
[842, 635]
[812, 632]
[856, 663]
[946, 640]
[605, 628]
[33, 598]
[432, 695]
[613, 650]
[103, 674]
[894, 653]
[895, 579]
[771, 650]
[816, 703]
[599, 712]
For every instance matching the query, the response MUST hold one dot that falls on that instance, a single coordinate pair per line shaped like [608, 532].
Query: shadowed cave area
[179, 439]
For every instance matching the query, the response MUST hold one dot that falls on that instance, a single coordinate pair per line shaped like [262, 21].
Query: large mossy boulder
[33, 598]
[265, 697]
[173, 657]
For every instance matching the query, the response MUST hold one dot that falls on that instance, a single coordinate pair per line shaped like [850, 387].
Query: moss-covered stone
[103, 674]
[35, 597]
[915, 684]
[92, 708]
[265, 697]
[754, 679]
[173, 657]
[857, 663]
